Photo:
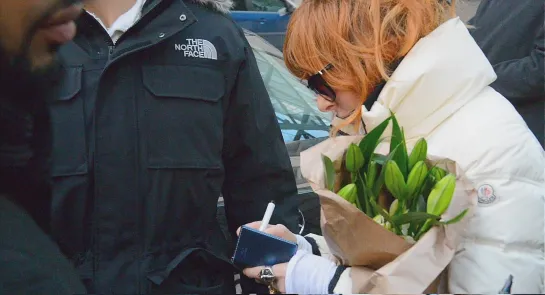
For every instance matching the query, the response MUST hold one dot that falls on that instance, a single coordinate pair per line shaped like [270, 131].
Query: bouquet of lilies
[403, 192]
[390, 210]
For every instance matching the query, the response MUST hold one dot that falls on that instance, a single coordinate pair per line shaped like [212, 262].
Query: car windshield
[294, 104]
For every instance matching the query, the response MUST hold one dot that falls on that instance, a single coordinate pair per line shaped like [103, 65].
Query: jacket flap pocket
[184, 82]
[71, 84]
[158, 276]
[193, 260]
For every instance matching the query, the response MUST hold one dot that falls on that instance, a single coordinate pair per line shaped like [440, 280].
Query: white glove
[309, 274]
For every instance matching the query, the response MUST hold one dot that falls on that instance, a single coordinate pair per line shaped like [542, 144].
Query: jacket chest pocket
[183, 116]
[68, 121]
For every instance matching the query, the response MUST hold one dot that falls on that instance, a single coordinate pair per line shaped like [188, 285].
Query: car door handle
[262, 21]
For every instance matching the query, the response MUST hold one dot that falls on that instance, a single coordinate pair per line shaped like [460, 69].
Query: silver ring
[266, 275]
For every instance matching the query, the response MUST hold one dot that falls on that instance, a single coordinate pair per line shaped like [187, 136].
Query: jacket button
[183, 17]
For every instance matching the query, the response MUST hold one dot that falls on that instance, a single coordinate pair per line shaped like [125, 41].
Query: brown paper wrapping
[382, 262]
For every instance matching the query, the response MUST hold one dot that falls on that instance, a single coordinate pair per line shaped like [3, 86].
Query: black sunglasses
[317, 84]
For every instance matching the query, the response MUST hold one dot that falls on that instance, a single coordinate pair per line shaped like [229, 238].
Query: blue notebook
[256, 248]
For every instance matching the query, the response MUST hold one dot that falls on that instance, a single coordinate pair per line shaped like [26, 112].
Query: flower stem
[424, 229]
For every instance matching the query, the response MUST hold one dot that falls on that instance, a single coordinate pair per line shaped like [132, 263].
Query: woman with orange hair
[367, 58]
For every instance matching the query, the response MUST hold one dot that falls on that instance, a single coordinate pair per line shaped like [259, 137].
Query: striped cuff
[315, 248]
[335, 279]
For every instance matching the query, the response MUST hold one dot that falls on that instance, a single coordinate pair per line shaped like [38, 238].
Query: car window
[267, 5]
[294, 104]
[258, 5]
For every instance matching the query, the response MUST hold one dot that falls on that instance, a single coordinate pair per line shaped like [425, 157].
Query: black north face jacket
[148, 133]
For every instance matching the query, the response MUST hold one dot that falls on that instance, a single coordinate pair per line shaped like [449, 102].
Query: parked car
[267, 18]
[301, 123]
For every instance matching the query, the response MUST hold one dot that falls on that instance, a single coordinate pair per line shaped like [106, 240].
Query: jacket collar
[221, 6]
[441, 74]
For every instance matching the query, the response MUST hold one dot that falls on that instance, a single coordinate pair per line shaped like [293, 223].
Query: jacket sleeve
[341, 283]
[522, 79]
[257, 165]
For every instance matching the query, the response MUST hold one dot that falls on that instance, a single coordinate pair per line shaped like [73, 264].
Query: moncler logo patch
[486, 195]
[198, 48]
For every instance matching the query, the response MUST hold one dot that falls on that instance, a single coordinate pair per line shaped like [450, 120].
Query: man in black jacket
[30, 33]
[162, 110]
[511, 34]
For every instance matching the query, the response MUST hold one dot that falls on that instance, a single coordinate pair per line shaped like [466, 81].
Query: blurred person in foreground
[511, 35]
[412, 57]
[162, 110]
[30, 33]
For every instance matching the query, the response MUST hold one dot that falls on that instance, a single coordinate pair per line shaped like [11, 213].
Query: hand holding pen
[271, 275]
[278, 230]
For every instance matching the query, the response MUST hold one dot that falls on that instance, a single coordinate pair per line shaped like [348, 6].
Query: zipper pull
[507, 287]
[110, 50]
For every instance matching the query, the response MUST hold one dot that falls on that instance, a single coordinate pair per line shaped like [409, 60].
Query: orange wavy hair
[360, 38]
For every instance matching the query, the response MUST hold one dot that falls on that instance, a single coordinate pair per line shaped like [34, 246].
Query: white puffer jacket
[440, 92]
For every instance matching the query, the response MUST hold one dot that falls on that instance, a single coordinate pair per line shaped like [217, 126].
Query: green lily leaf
[371, 175]
[413, 217]
[370, 142]
[379, 159]
[362, 194]
[329, 173]
[421, 204]
[369, 197]
[379, 183]
[428, 184]
[398, 139]
[456, 219]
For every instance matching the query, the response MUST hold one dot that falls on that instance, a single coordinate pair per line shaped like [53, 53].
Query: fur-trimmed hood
[222, 6]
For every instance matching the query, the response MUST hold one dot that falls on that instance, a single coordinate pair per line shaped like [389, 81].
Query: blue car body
[267, 18]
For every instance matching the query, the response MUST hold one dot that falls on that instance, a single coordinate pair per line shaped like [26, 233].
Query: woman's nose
[325, 105]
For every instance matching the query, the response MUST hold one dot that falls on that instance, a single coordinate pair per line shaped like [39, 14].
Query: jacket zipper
[95, 25]
[111, 49]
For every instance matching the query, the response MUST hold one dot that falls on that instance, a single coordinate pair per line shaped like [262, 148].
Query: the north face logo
[199, 48]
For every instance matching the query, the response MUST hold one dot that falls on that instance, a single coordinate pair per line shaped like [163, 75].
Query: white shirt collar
[124, 22]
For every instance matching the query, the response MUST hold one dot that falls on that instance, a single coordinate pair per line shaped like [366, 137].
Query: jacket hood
[442, 73]
[222, 6]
